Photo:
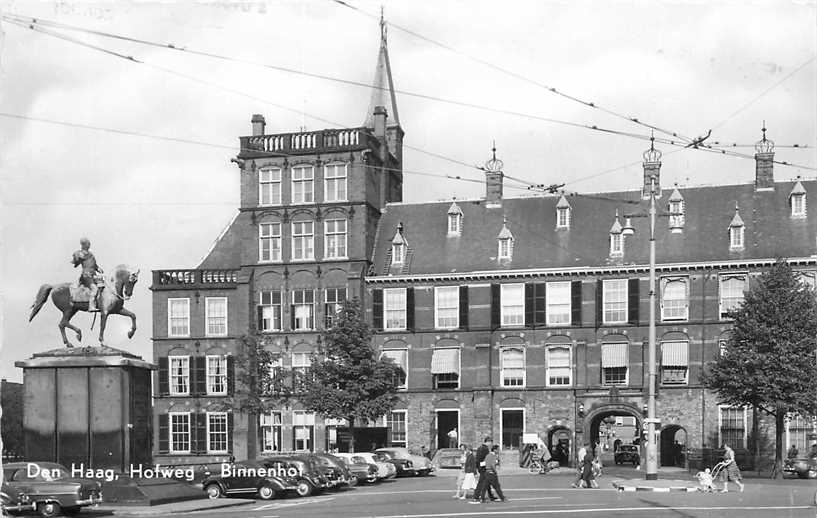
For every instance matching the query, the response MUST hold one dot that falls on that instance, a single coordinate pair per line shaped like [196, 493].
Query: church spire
[383, 85]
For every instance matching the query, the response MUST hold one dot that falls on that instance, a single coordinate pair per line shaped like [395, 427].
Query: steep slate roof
[226, 253]
[769, 230]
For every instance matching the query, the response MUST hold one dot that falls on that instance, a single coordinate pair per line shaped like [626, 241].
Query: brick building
[509, 315]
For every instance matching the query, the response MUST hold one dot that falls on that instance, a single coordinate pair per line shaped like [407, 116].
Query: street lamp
[652, 162]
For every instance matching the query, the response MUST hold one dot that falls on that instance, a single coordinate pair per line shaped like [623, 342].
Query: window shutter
[164, 433]
[200, 432]
[599, 302]
[230, 432]
[292, 317]
[377, 309]
[540, 303]
[463, 307]
[529, 304]
[410, 309]
[260, 319]
[496, 301]
[164, 384]
[230, 375]
[576, 303]
[633, 300]
[199, 384]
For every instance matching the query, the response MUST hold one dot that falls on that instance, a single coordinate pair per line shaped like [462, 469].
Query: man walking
[479, 458]
[492, 473]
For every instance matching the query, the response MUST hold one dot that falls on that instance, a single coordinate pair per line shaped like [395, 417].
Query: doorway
[448, 420]
[673, 446]
[512, 426]
[559, 445]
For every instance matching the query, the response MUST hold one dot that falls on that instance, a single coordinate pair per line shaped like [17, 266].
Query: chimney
[258, 124]
[380, 123]
[764, 163]
[493, 180]
[652, 169]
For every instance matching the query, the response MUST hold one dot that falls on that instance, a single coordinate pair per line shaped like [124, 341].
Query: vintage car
[447, 458]
[311, 478]
[385, 469]
[420, 466]
[800, 468]
[360, 468]
[335, 469]
[403, 467]
[47, 488]
[266, 478]
[627, 454]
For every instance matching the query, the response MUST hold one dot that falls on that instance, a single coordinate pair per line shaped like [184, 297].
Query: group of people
[480, 473]
[794, 452]
[588, 466]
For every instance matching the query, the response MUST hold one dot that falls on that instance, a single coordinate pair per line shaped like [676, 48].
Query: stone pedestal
[89, 406]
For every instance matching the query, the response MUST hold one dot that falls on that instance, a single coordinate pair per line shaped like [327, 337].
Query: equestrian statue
[93, 293]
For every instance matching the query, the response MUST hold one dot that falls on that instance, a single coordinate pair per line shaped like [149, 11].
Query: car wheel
[267, 492]
[49, 509]
[304, 488]
[213, 491]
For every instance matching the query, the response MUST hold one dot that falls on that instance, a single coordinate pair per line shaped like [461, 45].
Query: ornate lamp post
[652, 163]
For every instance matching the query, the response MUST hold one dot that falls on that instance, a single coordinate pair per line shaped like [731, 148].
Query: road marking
[281, 505]
[504, 490]
[496, 512]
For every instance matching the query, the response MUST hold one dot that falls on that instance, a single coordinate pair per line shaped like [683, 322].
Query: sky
[157, 203]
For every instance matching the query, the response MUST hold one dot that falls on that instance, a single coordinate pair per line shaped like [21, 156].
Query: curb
[671, 489]
[136, 511]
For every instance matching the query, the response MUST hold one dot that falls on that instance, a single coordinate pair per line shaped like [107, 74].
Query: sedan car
[420, 465]
[47, 488]
[360, 468]
[266, 478]
[335, 469]
[311, 478]
[801, 468]
[385, 469]
[403, 467]
[627, 454]
[447, 458]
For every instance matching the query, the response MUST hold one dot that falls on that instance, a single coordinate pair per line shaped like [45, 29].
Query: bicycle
[536, 466]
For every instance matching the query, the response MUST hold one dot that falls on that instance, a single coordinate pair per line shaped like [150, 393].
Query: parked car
[403, 467]
[447, 458]
[627, 454]
[334, 468]
[360, 468]
[385, 469]
[420, 466]
[801, 468]
[266, 478]
[47, 488]
[311, 478]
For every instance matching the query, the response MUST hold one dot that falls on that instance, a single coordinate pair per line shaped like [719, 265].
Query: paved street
[533, 495]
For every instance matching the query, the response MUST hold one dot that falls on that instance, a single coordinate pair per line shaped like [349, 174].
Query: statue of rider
[90, 271]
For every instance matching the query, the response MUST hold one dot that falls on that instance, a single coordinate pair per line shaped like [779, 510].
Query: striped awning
[398, 356]
[614, 355]
[445, 361]
[674, 354]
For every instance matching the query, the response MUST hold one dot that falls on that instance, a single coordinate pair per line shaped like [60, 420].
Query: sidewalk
[173, 507]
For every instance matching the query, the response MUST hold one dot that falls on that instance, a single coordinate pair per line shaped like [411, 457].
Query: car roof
[48, 465]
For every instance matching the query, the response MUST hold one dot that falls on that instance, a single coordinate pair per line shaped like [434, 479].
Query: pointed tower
[383, 99]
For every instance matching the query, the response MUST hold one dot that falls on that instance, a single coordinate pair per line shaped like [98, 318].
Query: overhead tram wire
[516, 75]
[31, 23]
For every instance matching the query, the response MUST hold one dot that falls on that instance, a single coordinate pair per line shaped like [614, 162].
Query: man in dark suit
[482, 485]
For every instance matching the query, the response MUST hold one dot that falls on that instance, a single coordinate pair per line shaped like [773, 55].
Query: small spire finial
[494, 165]
[652, 155]
[383, 31]
[764, 145]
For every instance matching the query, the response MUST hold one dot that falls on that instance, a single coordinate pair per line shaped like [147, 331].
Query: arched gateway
[611, 425]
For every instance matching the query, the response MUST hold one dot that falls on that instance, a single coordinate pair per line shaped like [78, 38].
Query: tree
[769, 362]
[347, 380]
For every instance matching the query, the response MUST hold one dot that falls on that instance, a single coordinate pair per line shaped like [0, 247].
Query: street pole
[652, 457]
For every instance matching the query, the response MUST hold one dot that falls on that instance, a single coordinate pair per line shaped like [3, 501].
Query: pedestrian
[705, 480]
[461, 474]
[588, 476]
[452, 438]
[469, 482]
[731, 471]
[793, 452]
[492, 474]
[579, 466]
[479, 460]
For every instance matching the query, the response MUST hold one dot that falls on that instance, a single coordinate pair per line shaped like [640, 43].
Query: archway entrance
[673, 445]
[614, 428]
[559, 445]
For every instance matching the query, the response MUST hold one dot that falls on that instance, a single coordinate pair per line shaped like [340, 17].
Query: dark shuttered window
[633, 300]
[576, 303]
[496, 306]
[164, 384]
[377, 309]
[540, 304]
[463, 307]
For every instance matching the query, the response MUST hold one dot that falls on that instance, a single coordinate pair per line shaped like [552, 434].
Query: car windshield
[380, 457]
[397, 454]
[628, 448]
[357, 459]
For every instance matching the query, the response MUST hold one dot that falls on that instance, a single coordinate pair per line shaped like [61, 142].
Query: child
[705, 480]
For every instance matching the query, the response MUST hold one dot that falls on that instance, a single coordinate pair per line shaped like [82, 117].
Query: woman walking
[469, 482]
[731, 472]
[588, 477]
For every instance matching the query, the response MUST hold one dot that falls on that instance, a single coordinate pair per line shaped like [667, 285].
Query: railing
[324, 140]
[193, 278]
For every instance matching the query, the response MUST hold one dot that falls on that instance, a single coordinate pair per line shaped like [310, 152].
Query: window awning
[614, 355]
[398, 356]
[513, 359]
[674, 354]
[445, 361]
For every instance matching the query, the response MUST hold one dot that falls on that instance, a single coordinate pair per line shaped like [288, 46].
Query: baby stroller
[717, 471]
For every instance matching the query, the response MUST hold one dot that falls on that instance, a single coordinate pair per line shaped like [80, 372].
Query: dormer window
[505, 242]
[563, 213]
[797, 201]
[398, 253]
[676, 212]
[736, 241]
[616, 238]
[454, 220]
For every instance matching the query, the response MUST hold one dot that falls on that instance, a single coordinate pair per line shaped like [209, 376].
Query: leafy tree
[769, 362]
[347, 379]
[261, 385]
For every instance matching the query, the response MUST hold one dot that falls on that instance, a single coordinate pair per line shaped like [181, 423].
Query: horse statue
[117, 289]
